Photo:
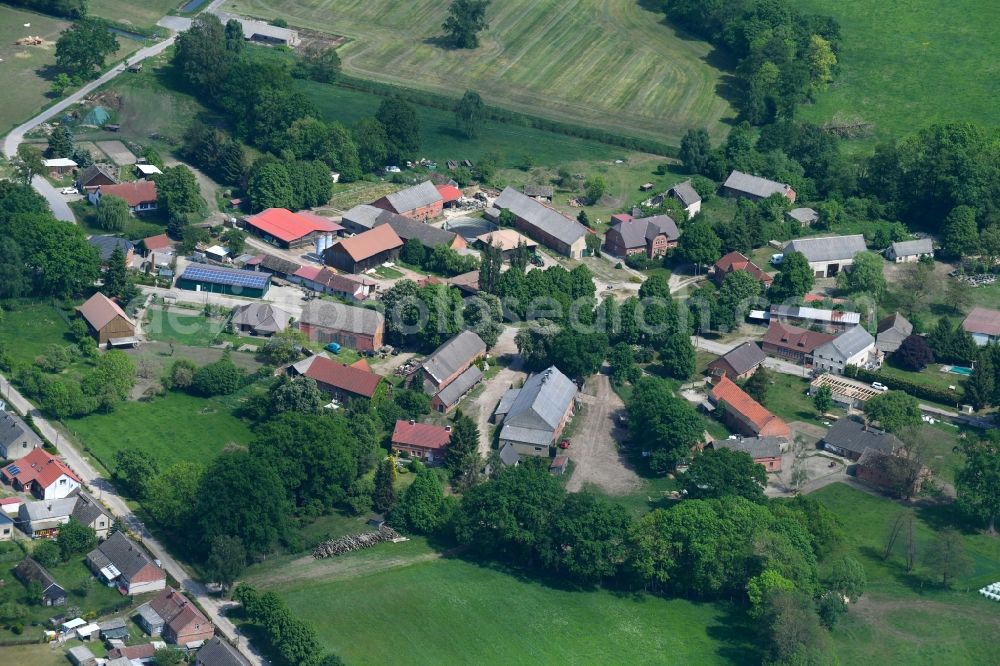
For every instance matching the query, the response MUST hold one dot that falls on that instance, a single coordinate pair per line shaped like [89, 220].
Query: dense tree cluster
[292, 642]
[82, 49]
[73, 9]
[662, 423]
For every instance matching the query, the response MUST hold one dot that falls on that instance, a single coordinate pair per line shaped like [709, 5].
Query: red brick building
[183, 623]
[342, 382]
[348, 326]
[735, 261]
[793, 343]
[420, 202]
[743, 413]
[653, 236]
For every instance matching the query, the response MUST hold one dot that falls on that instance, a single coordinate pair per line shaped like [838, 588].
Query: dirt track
[594, 450]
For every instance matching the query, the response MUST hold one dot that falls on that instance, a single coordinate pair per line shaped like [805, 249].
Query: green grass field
[905, 65]
[906, 618]
[27, 329]
[448, 611]
[609, 64]
[182, 327]
[176, 427]
[25, 90]
[144, 13]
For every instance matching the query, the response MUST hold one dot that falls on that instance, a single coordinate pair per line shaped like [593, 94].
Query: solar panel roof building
[218, 280]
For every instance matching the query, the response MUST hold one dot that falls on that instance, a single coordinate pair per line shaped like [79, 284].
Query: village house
[120, 562]
[429, 236]
[451, 365]
[29, 571]
[17, 439]
[805, 217]
[853, 347]
[171, 615]
[348, 326]
[42, 519]
[652, 236]
[218, 652]
[285, 229]
[829, 255]
[261, 319]
[743, 413]
[507, 241]
[891, 332]
[833, 321]
[140, 195]
[42, 474]
[419, 202]
[736, 261]
[219, 280]
[106, 321]
[906, 252]
[765, 451]
[755, 188]
[96, 175]
[893, 473]
[687, 196]
[366, 250]
[423, 441]
[160, 244]
[88, 512]
[106, 246]
[546, 225]
[534, 416]
[341, 382]
[467, 283]
[984, 325]
[327, 281]
[738, 363]
[850, 438]
[276, 266]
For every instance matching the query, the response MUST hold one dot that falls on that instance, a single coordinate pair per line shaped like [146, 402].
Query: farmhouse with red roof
[745, 414]
[286, 229]
[41, 473]
[343, 382]
[424, 441]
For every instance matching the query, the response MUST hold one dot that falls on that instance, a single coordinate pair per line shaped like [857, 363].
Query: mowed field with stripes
[601, 63]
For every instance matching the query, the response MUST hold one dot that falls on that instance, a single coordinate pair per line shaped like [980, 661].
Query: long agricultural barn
[282, 227]
[225, 281]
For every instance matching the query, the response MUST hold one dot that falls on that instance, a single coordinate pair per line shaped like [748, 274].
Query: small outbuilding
[105, 319]
[219, 280]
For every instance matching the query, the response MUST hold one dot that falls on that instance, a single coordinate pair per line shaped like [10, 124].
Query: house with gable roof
[743, 413]
[755, 188]
[544, 224]
[419, 202]
[107, 322]
[451, 365]
[853, 347]
[423, 441]
[652, 236]
[120, 562]
[533, 417]
[170, 614]
[42, 474]
[17, 439]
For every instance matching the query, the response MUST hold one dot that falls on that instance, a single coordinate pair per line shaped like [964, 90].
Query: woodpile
[29, 41]
[353, 542]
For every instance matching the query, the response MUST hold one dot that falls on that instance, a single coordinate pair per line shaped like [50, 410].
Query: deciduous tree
[794, 279]
[466, 19]
[978, 481]
[470, 114]
[914, 353]
[82, 49]
[947, 556]
[112, 213]
[719, 472]
[894, 410]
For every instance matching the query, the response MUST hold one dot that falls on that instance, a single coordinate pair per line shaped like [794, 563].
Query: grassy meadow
[439, 611]
[905, 65]
[175, 427]
[906, 618]
[131, 12]
[609, 64]
[28, 328]
[23, 69]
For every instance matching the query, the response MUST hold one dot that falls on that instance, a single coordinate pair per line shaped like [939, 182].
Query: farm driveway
[487, 401]
[594, 450]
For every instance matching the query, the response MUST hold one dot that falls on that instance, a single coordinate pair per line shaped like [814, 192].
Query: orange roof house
[341, 381]
[745, 414]
[287, 229]
[43, 474]
[736, 261]
[140, 195]
[366, 250]
[421, 440]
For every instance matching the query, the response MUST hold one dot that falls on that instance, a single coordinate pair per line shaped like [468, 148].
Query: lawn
[27, 330]
[448, 611]
[787, 398]
[614, 65]
[135, 228]
[182, 326]
[22, 68]
[905, 65]
[175, 427]
[144, 14]
[906, 618]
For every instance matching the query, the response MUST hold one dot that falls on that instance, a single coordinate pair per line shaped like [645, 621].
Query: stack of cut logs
[352, 542]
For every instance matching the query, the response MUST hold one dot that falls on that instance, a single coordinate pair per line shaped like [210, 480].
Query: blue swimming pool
[959, 370]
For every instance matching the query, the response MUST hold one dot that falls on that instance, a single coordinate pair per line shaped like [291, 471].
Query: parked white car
[776, 259]
[392, 169]
[879, 386]
[69, 190]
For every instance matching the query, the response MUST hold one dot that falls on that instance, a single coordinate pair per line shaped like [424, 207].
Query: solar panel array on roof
[251, 279]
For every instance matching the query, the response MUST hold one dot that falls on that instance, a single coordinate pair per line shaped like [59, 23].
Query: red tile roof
[983, 321]
[154, 243]
[449, 193]
[99, 311]
[38, 466]
[287, 226]
[752, 412]
[361, 363]
[380, 239]
[308, 272]
[795, 338]
[344, 377]
[179, 614]
[423, 435]
[144, 651]
[735, 261]
[134, 193]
